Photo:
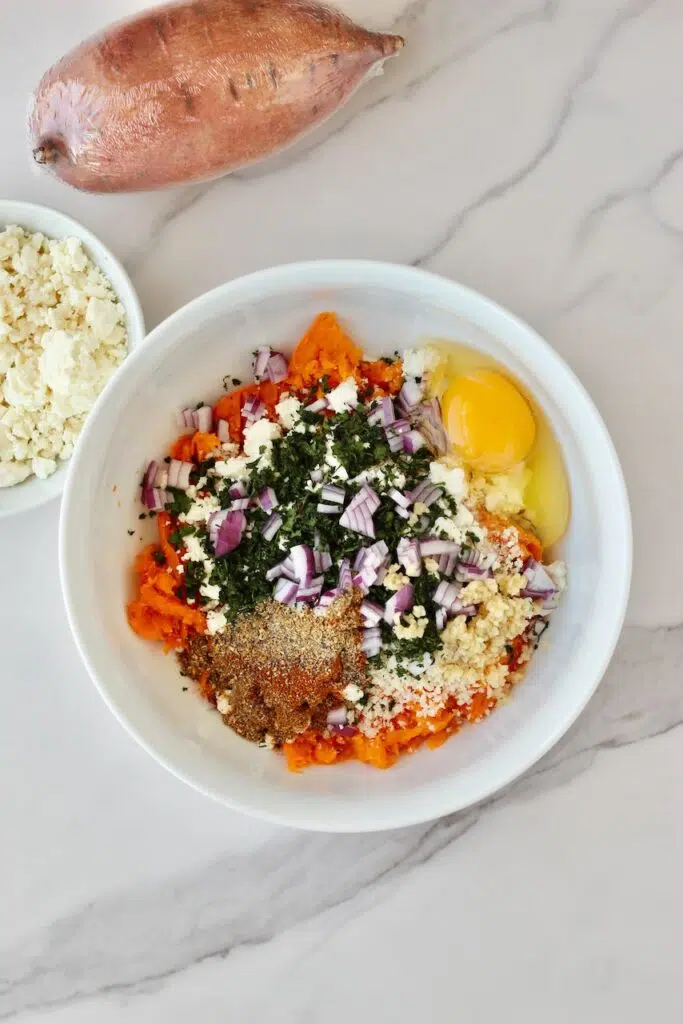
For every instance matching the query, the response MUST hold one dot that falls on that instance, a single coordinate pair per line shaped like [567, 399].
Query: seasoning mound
[277, 671]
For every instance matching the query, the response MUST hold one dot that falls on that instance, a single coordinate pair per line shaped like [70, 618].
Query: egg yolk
[488, 421]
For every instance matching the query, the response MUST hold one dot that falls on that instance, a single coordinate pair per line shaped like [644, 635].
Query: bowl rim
[12, 211]
[500, 322]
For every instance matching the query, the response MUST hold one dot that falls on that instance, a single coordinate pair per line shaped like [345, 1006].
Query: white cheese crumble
[236, 468]
[419, 361]
[288, 410]
[258, 441]
[215, 622]
[62, 335]
[448, 474]
[353, 693]
[344, 396]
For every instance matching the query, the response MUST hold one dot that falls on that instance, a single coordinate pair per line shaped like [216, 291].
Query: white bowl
[33, 492]
[386, 307]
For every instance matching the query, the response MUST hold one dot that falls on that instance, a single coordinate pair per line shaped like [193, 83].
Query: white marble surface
[535, 151]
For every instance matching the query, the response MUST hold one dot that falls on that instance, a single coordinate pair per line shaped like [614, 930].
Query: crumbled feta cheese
[258, 441]
[200, 510]
[448, 474]
[216, 621]
[236, 468]
[345, 396]
[211, 591]
[353, 693]
[62, 335]
[194, 549]
[432, 566]
[419, 361]
[288, 410]
[331, 460]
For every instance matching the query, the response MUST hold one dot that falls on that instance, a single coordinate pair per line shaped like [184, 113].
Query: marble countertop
[534, 150]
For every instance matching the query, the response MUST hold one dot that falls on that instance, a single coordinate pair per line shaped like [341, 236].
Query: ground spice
[277, 671]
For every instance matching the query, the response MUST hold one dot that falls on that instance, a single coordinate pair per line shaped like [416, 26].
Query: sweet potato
[191, 90]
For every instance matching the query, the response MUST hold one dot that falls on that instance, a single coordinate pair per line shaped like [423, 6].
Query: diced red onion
[154, 498]
[383, 412]
[161, 478]
[446, 594]
[329, 510]
[433, 546]
[395, 444]
[427, 493]
[435, 435]
[467, 573]
[329, 597]
[378, 553]
[345, 578]
[477, 559]
[397, 427]
[302, 563]
[402, 512]
[274, 573]
[372, 643]
[179, 474]
[312, 592]
[408, 552]
[268, 499]
[187, 418]
[322, 561]
[271, 525]
[230, 533]
[440, 619]
[400, 499]
[411, 393]
[338, 716]
[371, 612]
[359, 520]
[223, 430]
[261, 362]
[240, 504]
[277, 368]
[344, 730]
[204, 416]
[413, 441]
[237, 490]
[253, 409]
[150, 474]
[401, 601]
[539, 584]
[319, 405]
[447, 564]
[285, 592]
[369, 498]
[336, 495]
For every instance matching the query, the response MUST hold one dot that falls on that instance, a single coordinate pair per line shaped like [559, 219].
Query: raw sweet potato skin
[191, 90]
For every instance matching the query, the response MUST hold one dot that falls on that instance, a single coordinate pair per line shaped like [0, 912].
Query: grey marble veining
[533, 151]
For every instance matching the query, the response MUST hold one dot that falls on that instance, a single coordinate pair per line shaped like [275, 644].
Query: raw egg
[488, 420]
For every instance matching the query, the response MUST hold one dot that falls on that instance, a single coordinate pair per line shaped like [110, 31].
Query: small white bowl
[33, 492]
[386, 307]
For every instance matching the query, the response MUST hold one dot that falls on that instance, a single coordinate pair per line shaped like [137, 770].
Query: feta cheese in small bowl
[68, 317]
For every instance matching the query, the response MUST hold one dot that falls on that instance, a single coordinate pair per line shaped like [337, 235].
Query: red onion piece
[413, 441]
[329, 510]
[446, 594]
[399, 499]
[402, 512]
[440, 619]
[397, 427]
[240, 504]
[277, 368]
[230, 533]
[395, 444]
[539, 584]
[401, 601]
[237, 490]
[253, 409]
[408, 552]
[271, 526]
[458, 608]
[345, 579]
[338, 716]
[432, 546]
[204, 416]
[312, 592]
[285, 592]
[150, 474]
[322, 561]
[268, 499]
[371, 612]
[223, 430]
[336, 495]
[303, 564]
[261, 362]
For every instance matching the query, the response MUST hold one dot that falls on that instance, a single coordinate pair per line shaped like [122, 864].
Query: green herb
[131, 533]
[180, 503]
[159, 557]
[143, 515]
[177, 535]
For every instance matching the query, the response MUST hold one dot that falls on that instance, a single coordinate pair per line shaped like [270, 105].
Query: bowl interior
[187, 357]
[33, 492]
